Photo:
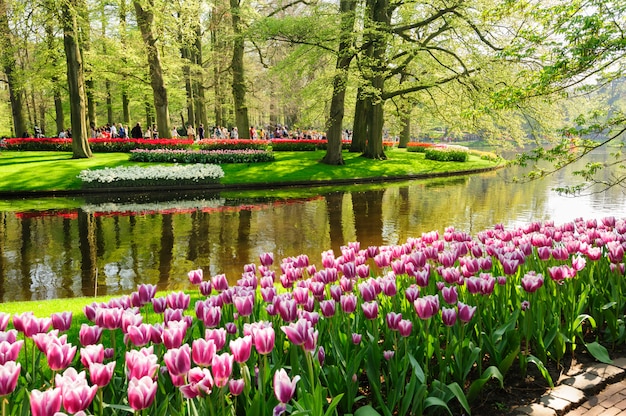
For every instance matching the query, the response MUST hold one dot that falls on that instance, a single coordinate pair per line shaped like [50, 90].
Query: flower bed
[447, 153]
[233, 144]
[418, 147]
[96, 145]
[201, 156]
[135, 176]
[408, 328]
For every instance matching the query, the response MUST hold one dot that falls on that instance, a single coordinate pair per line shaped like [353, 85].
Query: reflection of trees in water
[88, 252]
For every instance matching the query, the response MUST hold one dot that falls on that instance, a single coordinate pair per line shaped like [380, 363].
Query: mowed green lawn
[54, 171]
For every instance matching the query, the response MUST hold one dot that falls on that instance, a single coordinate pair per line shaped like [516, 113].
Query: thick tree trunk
[58, 106]
[359, 131]
[239, 87]
[405, 134]
[125, 98]
[200, 100]
[381, 19]
[75, 81]
[7, 55]
[145, 19]
[337, 104]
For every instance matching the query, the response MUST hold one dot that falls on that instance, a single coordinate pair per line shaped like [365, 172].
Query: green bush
[446, 155]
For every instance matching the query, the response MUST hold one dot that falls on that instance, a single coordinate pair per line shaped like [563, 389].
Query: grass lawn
[54, 171]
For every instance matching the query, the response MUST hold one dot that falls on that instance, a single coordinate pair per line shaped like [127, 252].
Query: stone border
[576, 390]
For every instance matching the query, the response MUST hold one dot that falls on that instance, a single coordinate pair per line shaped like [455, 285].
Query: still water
[99, 246]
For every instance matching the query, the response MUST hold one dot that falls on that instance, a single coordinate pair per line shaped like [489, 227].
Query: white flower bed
[153, 175]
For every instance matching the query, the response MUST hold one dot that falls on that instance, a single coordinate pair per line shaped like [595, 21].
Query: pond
[98, 246]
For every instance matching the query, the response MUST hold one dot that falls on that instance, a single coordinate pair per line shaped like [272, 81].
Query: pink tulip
[101, 374]
[219, 282]
[466, 312]
[205, 287]
[393, 319]
[264, 339]
[45, 403]
[297, 332]
[218, 335]
[532, 281]
[405, 327]
[427, 306]
[236, 386]
[448, 316]
[284, 387]
[69, 376]
[4, 321]
[241, 348]
[9, 336]
[328, 308]
[59, 355]
[141, 363]
[195, 276]
[222, 366]
[356, 338]
[9, 373]
[411, 293]
[30, 325]
[287, 309]
[141, 392]
[89, 335]
[62, 321]
[267, 259]
[92, 354]
[159, 305]
[210, 315]
[139, 335]
[202, 351]
[244, 304]
[174, 334]
[178, 360]
[77, 396]
[10, 351]
[450, 295]
[348, 303]
[178, 300]
[109, 318]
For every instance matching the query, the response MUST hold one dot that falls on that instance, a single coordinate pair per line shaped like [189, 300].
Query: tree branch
[421, 87]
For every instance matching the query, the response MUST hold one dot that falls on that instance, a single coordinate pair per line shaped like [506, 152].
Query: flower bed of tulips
[96, 145]
[134, 176]
[201, 156]
[402, 329]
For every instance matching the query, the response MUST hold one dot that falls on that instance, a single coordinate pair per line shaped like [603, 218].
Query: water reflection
[105, 247]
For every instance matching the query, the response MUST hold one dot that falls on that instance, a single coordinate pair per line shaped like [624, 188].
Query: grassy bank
[54, 171]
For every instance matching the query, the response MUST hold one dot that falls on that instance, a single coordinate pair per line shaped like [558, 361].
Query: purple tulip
[356, 338]
[219, 282]
[109, 318]
[62, 321]
[297, 332]
[236, 386]
[139, 335]
[244, 304]
[287, 309]
[178, 300]
[388, 354]
[328, 308]
[266, 259]
[59, 355]
[348, 303]
[393, 320]
[141, 363]
[450, 295]
[4, 321]
[9, 336]
[92, 354]
[412, 293]
[159, 305]
[202, 351]
[284, 387]
[174, 334]
[218, 335]
[9, 351]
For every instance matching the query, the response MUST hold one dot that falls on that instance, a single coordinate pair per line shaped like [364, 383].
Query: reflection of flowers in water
[43, 281]
[132, 208]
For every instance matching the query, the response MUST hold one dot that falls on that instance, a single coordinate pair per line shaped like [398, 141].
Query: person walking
[136, 132]
[191, 132]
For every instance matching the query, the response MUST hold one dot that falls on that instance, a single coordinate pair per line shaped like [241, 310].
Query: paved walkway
[599, 390]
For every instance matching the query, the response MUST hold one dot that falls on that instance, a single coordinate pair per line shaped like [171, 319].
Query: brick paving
[599, 390]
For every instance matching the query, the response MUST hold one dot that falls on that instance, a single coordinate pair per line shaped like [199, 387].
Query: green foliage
[446, 155]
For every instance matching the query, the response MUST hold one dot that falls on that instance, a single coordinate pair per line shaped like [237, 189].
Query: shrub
[201, 156]
[446, 155]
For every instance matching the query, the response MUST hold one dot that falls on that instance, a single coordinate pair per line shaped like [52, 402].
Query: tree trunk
[75, 81]
[145, 19]
[239, 87]
[405, 135]
[9, 65]
[200, 101]
[58, 106]
[344, 57]
[59, 115]
[381, 19]
[359, 131]
[125, 99]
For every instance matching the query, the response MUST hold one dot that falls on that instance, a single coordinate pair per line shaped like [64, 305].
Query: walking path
[599, 390]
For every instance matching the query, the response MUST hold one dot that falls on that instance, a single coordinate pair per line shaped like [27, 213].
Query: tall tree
[144, 11]
[345, 54]
[237, 67]
[75, 78]
[9, 65]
